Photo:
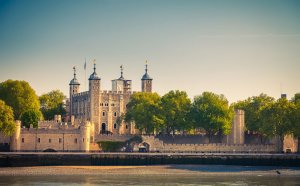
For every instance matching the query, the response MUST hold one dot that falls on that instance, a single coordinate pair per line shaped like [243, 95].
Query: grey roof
[74, 81]
[94, 76]
[146, 77]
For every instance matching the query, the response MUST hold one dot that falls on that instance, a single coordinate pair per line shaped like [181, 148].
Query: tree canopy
[174, 113]
[144, 109]
[253, 107]
[212, 113]
[7, 124]
[19, 95]
[276, 119]
[52, 104]
[31, 117]
[176, 107]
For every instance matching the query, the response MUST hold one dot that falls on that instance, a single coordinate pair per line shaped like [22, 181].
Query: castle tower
[85, 133]
[237, 135]
[74, 89]
[121, 84]
[146, 81]
[94, 91]
[15, 141]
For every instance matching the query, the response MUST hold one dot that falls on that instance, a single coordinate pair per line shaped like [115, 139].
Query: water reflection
[157, 175]
[149, 180]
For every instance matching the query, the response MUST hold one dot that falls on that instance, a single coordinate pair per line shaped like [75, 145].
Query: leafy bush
[111, 146]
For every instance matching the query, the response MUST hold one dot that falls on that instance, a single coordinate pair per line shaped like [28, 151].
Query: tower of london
[103, 107]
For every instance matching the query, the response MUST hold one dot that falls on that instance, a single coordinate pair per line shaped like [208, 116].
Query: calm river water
[170, 175]
[148, 180]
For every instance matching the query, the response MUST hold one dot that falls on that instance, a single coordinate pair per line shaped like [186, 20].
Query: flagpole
[85, 75]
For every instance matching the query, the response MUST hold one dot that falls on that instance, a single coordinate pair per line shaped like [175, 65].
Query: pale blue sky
[234, 47]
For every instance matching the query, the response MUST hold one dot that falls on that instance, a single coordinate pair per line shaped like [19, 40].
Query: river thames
[150, 175]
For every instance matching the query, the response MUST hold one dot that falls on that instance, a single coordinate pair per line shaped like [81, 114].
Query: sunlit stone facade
[103, 107]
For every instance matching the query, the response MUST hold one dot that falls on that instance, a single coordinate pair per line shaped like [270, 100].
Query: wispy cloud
[271, 35]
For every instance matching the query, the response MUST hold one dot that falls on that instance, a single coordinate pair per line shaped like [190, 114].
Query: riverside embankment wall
[87, 159]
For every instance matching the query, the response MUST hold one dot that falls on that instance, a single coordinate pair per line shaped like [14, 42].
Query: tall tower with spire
[146, 81]
[121, 84]
[94, 91]
[74, 89]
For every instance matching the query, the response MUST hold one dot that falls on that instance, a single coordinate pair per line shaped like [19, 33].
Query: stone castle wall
[212, 147]
[40, 140]
[158, 145]
[58, 139]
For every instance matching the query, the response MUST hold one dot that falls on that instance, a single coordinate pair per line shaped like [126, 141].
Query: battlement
[25, 131]
[110, 92]
[86, 93]
[239, 112]
[218, 147]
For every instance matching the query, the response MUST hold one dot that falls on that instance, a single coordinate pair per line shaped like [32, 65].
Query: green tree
[144, 109]
[7, 124]
[296, 116]
[276, 119]
[31, 117]
[176, 108]
[296, 120]
[18, 95]
[252, 107]
[52, 104]
[296, 98]
[212, 113]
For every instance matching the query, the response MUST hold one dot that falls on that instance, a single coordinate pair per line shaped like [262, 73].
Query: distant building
[283, 96]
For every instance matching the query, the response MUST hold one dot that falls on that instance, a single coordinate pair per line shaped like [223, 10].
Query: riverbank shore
[207, 170]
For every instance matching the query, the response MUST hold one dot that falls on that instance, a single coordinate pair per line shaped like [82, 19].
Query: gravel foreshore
[207, 170]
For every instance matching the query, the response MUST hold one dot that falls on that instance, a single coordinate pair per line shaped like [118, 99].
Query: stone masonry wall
[158, 145]
[30, 140]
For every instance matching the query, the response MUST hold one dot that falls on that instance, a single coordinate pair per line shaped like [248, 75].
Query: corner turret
[74, 89]
[15, 138]
[146, 81]
[85, 132]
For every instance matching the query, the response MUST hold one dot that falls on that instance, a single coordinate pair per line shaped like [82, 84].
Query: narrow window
[115, 126]
[22, 140]
[49, 140]
[115, 114]
[39, 140]
[75, 140]
[82, 139]
[103, 113]
[59, 140]
[126, 126]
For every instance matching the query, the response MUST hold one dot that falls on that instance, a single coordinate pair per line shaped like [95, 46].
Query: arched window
[103, 113]
[115, 114]
[115, 126]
